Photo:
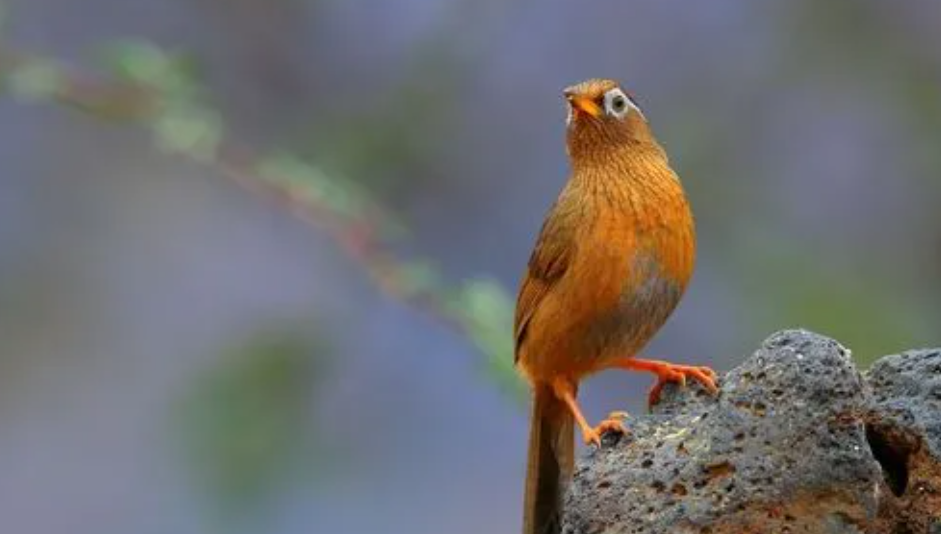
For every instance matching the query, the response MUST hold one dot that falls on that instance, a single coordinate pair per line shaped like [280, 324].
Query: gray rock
[905, 434]
[795, 441]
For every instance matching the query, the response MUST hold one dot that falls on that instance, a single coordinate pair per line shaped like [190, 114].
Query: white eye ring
[617, 104]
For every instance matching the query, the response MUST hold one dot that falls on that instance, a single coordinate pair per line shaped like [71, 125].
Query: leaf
[143, 63]
[290, 170]
[313, 185]
[35, 80]
[487, 313]
[196, 133]
[138, 61]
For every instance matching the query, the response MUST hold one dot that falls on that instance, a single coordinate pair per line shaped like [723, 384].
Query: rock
[905, 434]
[796, 441]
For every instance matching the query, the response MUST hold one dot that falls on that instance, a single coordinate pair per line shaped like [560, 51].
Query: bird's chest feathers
[635, 258]
[633, 237]
[624, 259]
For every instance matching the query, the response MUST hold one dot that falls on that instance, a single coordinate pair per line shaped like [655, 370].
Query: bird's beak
[583, 104]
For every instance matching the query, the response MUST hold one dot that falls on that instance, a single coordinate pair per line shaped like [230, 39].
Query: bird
[611, 262]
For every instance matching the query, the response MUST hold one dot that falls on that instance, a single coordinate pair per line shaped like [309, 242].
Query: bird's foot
[613, 423]
[668, 372]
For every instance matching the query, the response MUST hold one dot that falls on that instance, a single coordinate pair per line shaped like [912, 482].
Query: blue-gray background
[135, 286]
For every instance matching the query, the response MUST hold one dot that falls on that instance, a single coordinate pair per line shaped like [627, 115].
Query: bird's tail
[551, 460]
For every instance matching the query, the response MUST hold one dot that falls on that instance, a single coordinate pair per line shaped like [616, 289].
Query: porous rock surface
[796, 441]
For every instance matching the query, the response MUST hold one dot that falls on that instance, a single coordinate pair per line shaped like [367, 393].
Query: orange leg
[564, 390]
[668, 372]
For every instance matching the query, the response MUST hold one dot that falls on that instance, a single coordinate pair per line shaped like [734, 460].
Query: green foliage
[487, 313]
[172, 75]
[419, 278]
[181, 122]
[311, 184]
[35, 80]
[160, 90]
[246, 422]
[188, 130]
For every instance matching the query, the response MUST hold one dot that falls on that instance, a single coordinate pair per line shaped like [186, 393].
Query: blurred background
[258, 257]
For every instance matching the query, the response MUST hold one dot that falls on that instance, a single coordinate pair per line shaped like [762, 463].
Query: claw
[591, 437]
[613, 423]
[678, 374]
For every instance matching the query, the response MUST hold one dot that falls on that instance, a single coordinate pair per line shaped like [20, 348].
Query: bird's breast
[629, 255]
[635, 259]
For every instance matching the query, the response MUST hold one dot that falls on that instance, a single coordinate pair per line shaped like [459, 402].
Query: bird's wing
[547, 264]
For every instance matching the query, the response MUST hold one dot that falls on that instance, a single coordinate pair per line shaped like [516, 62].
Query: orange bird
[611, 263]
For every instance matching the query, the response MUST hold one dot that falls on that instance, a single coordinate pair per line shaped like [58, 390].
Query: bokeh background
[270, 290]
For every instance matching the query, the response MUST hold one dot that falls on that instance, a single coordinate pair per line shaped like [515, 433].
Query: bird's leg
[668, 372]
[565, 391]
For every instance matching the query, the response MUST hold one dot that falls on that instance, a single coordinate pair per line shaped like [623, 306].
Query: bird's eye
[617, 104]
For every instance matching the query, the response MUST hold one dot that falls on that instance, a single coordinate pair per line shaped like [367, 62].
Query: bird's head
[602, 116]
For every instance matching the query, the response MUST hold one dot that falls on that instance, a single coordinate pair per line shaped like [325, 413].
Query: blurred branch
[153, 88]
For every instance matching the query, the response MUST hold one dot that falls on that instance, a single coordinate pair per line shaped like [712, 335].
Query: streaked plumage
[610, 264]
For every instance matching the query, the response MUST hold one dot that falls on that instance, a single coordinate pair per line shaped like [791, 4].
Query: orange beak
[583, 104]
